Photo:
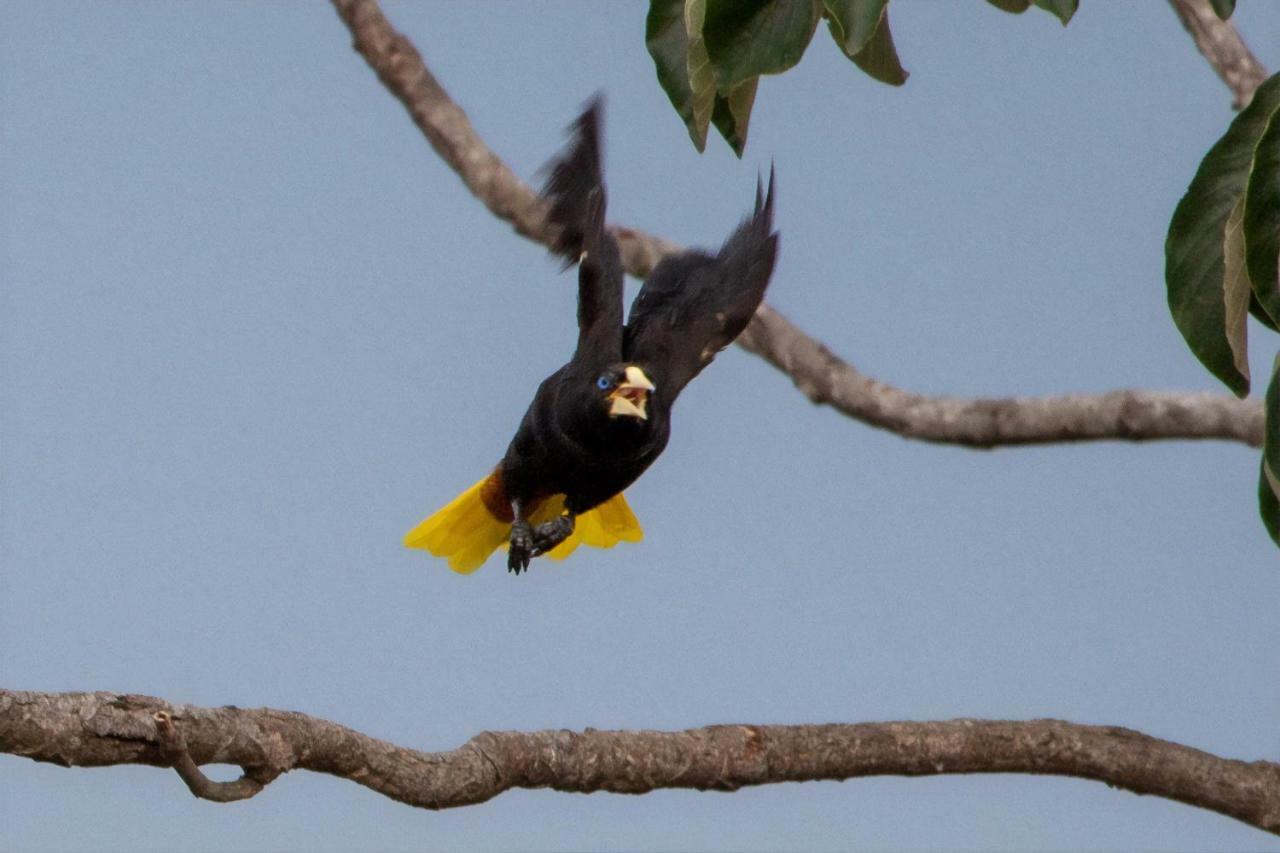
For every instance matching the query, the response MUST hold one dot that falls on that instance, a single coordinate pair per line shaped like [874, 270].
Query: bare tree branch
[103, 729]
[1135, 415]
[820, 374]
[1221, 44]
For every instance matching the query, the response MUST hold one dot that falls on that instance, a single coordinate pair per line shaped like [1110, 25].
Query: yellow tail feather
[466, 533]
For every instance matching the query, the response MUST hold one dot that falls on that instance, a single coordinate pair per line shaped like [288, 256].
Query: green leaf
[1016, 7]
[1268, 503]
[1268, 483]
[733, 112]
[1235, 289]
[879, 58]
[1223, 8]
[668, 44]
[1262, 218]
[854, 22]
[1063, 9]
[747, 38]
[861, 28]
[702, 78]
[665, 38]
[1256, 309]
[1194, 269]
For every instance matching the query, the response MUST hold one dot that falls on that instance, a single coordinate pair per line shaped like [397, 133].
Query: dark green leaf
[1017, 7]
[853, 22]
[1268, 503]
[1063, 9]
[1271, 433]
[1194, 268]
[1268, 483]
[733, 112]
[669, 45]
[878, 57]
[702, 78]
[1262, 218]
[1255, 308]
[747, 38]
[861, 28]
[1223, 8]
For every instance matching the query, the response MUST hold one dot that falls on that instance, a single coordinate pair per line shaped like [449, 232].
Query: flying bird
[600, 421]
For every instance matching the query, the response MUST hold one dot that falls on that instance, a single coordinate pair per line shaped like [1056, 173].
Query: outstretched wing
[694, 304]
[575, 191]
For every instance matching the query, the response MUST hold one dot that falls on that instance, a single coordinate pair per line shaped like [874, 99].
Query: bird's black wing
[694, 304]
[575, 191]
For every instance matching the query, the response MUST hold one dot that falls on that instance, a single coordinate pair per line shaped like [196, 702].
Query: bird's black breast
[567, 444]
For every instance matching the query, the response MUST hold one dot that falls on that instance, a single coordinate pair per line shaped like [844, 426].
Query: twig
[1127, 415]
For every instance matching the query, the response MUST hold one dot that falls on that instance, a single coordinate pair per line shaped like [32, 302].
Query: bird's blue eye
[603, 383]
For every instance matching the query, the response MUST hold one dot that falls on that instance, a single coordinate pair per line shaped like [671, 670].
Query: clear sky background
[254, 330]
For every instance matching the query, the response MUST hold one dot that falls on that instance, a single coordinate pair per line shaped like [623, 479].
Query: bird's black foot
[520, 550]
[551, 533]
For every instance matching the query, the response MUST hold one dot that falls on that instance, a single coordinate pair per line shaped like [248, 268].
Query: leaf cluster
[1222, 262]
[1223, 249]
[710, 54]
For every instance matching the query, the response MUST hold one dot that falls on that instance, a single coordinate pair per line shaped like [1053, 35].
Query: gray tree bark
[1220, 44]
[102, 729]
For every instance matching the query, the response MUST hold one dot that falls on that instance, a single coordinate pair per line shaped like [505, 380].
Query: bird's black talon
[520, 551]
[551, 533]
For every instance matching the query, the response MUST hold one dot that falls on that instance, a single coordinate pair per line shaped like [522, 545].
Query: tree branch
[1221, 45]
[1131, 414]
[820, 374]
[104, 729]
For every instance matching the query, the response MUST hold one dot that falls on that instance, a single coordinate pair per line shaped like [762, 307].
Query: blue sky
[253, 330]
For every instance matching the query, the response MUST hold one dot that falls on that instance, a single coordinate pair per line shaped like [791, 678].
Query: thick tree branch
[1222, 46]
[823, 376]
[103, 729]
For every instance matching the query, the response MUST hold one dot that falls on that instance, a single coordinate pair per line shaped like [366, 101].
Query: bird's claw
[549, 534]
[521, 547]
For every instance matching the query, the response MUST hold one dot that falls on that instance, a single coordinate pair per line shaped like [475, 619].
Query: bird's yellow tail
[466, 532]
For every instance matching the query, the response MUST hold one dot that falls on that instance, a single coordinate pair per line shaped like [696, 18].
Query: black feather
[693, 305]
[575, 191]
[570, 440]
[575, 184]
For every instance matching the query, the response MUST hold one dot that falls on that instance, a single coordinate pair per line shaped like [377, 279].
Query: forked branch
[1132, 415]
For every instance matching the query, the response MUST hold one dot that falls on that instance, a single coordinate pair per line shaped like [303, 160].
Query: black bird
[599, 421]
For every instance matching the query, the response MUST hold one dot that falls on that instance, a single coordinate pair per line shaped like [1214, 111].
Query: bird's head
[625, 389]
